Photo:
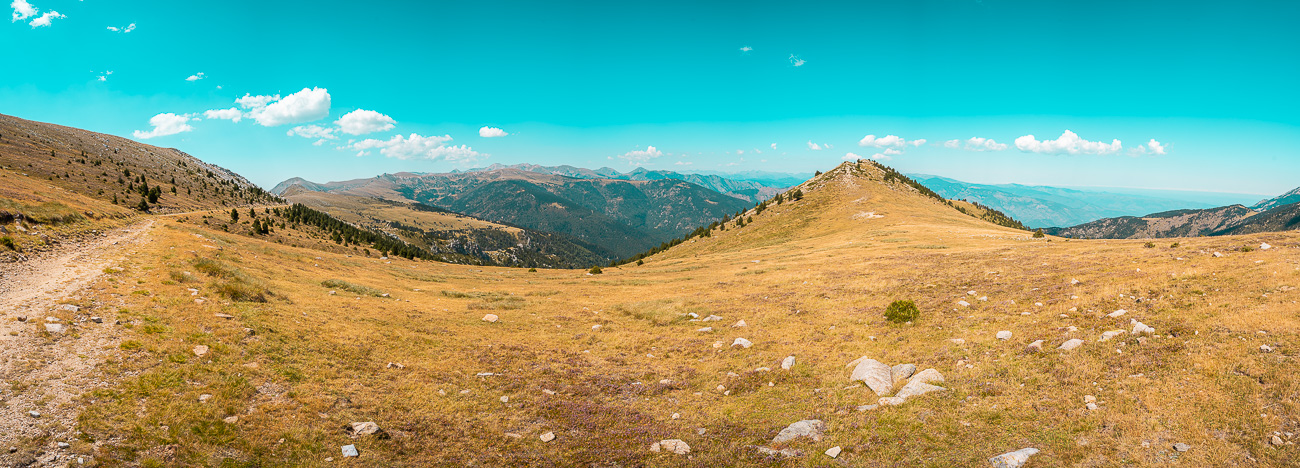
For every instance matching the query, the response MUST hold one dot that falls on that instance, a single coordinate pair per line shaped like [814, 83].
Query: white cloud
[952, 144]
[232, 114]
[303, 106]
[881, 157]
[165, 124]
[893, 152]
[851, 157]
[127, 29]
[44, 19]
[740, 152]
[250, 101]
[491, 132]
[888, 141]
[312, 131]
[361, 121]
[814, 146]
[773, 145]
[1068, 143]
[417, 147]
[918, 142]
[796, 61]
[683, 163]
[196, 77]
[984, 144]
[1152, 147]
[746, 49]
[103, 77]
[23, 10]
[641, 156]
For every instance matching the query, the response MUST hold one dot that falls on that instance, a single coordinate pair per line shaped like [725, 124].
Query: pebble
[350, 451]
[833, 452]
[547, 437]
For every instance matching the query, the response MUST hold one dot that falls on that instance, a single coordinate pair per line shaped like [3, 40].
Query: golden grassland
[49, 214]
[811, 278]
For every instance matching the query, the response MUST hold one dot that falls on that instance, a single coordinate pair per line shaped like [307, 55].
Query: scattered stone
[928, 376]
[901, 372]
[711, 318]
[1117, 313]
[740, 323]
[957, 341]
[1110, 334]
[513, 435]
[867, 407]
[34, 414]
[69, 308]
[350, 451]
[547, 437]
[505, 399]
[677, 416]
[225, 316]
[200, 350]
[1091, 406]
[787, 363]
[1089, 399]
[22, 318]
[1265, 348]
[52, 320]
[357, 429]
[916, 388]
[231, 420]
[705, 330]
[1074, 281]
[875, 374]
[1014, 459]
[204, 397]
[1140, 328]
[1038, 304]
[63, 445]
[833, 452]
[810, 428]
[395, 365]
[55, 328]
[1004, 335]
[490, 318]
[984, 298]
[1035, 347]
[742, 343]
[97, 319]
[787, 453]
[891, 401]
[676, 446]
[963, 303]
[1264, 246]
[595, 328]
[1181, 447]
[1276, 440]
[1218, 255]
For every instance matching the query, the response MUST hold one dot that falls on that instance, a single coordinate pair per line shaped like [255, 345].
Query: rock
[868, 407]
[711, 318]
[1091, 406]
[55, 328]
[547, 437]
[224, 316]
[1265, 348]
[1004, 335]
[1140, 328]
[595, 328]
[890, 401]
[358, 429]
[1218, 255]
[1014, 459]
[917, 388]
[1089, 399]
[741, 342]
[957, 341]
[902, 371]
[490, 318]
[1181, 447]
[1264, 246]
[97, 319]
[231, 420]
[810, 428]
[963, 303]
[22, 318]
[787, 363]
[1074, 281]
[63, 445]
[1110, 334]
[350, 451]
[676, 446]
[787, 453]
[200, 350]
[34, 414]
[740, 323]
[1035, 347]
[1117, 313]
[705, 330]
[875, 374]
[928, 376]
[1276, 440]
[68, 308]
[204, 397]
[833, 452]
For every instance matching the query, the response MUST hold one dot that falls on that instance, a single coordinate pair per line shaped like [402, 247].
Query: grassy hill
[301, 342]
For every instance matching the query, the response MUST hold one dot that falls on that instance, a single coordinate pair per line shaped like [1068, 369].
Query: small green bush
[902, 311]
[8, 242]
[640, 262]
[532, 270]
[1174, 245]
[1149, 245]
[1039, 234]
[595, 270]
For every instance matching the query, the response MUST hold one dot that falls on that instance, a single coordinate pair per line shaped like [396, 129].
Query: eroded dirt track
[48, 371]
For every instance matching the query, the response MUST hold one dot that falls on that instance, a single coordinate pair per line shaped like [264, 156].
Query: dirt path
[45, 371]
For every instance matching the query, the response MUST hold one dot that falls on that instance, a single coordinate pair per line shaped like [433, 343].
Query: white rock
[200, 350]
[705, 330]
[1089, 399]
[34, 414]
[810, 428]
[1071, 344]
[786, 453]
[547, 437]
[891, 401]
[69, 308]
[1091, 406]
[835, 451]
[1264, 246]
[875, 374]
[55, 328]
[358, 429]
[1218, 255]
[957, 341]
[1117, 313]
[1074, 281]
[676, 446]
[740, 323]
[711, 318]
[787, 363]
[1038, 304]
[1110, 334]
[1014, 459]
[491, 318]
[350, 451]
[231, 420]
[204, 397]
[901, 372]
[983, 298]
[963, 303]
[917, 388]
[741, 342]
[929, 376]
[1140, 328]
[1035, 347]
[1004, 335]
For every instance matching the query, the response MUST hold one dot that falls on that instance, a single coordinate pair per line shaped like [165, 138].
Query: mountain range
[1281, 213]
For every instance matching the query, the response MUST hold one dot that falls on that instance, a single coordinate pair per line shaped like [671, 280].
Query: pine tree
[234, 215]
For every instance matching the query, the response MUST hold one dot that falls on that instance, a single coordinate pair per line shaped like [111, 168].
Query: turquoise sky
[710, 86]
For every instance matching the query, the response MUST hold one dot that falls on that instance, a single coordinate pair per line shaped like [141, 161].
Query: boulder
[1035, 347]
[916, 388]
[1014, 459]
[810, 428]
[890, 401]
[350, 451]
[1117, 313]
[785, 453]
[901, 372]
[1264, 246]
[358, 429]
[676, 446]
[875, 374]
[928, 376]
[1110, 334]
[490, 318]
[741, 342]
[834, 452]
[200, 350]
[787, 363]
[1140, 328]
[1004, 335]
[55, 328]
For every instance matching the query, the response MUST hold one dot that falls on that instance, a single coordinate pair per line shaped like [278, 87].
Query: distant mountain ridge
[1269, 215]
[747, 190]
[1280, 200]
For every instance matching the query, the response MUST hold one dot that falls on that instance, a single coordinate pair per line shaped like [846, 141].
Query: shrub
[8, 242]
[1246, 248]
[595, 270]
[902, 311]
[240, 291]
[640, 262]
[352, 287]
[1149, 245]
[532, 270]
[1039, 234]
[1174, 245]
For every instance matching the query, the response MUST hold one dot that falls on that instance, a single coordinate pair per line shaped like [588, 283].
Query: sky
[1186, 95]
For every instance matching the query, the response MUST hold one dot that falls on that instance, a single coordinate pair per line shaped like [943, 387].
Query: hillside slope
[1178, 223]
[750, 191]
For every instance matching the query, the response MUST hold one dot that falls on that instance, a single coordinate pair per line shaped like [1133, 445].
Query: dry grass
[297, 369]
